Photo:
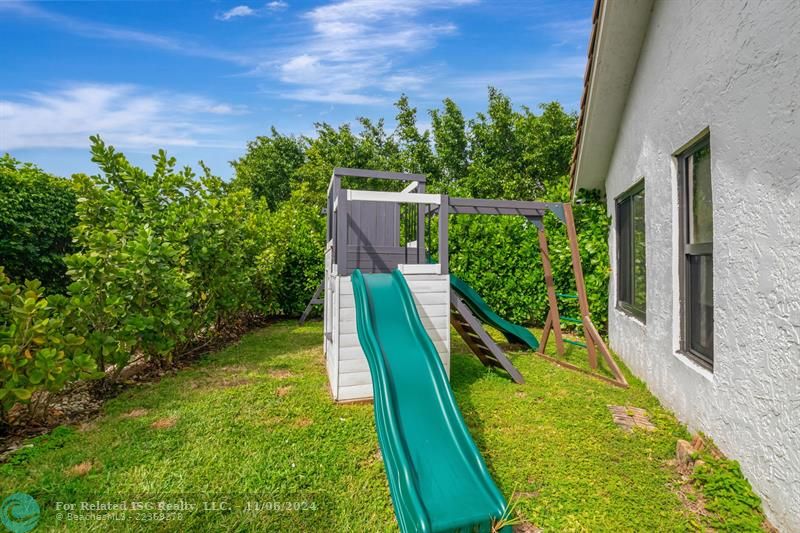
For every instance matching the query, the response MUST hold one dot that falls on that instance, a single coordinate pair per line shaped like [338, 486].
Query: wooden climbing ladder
[482, 345]
[593, 341]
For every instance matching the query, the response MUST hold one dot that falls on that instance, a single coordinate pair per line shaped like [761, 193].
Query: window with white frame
[697, 239]
[631, 252]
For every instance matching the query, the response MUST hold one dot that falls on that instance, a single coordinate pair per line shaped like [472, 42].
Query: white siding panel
[439, 278]
[427, 286]
[357, 392]
[431, 293]
[431, 298]
[354, 365]
[355, 378]
[347, 353]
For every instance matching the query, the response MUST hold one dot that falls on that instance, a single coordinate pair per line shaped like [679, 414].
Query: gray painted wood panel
[373, 224]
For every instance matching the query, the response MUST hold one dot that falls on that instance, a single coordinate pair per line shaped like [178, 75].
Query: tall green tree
[269, 167]
[546, 141]
[450, 146]
[414, 146]
[495, 151]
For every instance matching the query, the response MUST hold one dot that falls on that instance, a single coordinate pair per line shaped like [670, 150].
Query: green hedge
[164, 261]
[499, 257]
[37, 213]
[292, 262]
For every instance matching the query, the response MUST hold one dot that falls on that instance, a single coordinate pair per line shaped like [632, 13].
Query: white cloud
[333, 97]
[547, 69]
[247, 11]
[355, 51]
[571, 32]
[238, 11]
[96, 30]
[125, 115]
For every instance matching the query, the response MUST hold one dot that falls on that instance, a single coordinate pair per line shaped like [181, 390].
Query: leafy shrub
[37, 352]
[728, 495]
[37, 212]
[292, 263]
[129, 289]
[165, 258]
[226, 231]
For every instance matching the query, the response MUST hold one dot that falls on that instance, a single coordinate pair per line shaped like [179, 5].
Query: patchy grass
[255, 423]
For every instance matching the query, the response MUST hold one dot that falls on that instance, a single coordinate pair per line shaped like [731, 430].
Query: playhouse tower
[378, 231]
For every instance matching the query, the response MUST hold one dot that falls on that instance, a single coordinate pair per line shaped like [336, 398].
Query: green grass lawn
[255, 422]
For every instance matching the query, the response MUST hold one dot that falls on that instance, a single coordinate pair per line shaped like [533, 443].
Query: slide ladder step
[567, 296]
[570, 319]
[476, 338]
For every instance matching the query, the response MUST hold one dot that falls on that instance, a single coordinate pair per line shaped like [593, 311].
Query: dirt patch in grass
[80, 469]
[227, 383]
[221, 382]
[135, 413]
[526, 527]
[233, 369]
[280, 374]
[303, 422]
[164, 423]
[371, 459]
[283, 391]
[691, 498]
[84, 427]
[272, 421]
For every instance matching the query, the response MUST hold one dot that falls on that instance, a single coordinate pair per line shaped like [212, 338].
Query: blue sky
[202, 78]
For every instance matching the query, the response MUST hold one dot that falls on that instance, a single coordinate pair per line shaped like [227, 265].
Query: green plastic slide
[514, 333]
[437, 478]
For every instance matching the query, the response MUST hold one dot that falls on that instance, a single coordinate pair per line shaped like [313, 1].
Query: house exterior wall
[733, 68]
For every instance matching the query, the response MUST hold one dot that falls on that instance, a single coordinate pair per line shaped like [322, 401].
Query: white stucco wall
[732, 67]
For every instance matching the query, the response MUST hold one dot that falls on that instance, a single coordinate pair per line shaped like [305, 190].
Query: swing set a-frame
[593, 342]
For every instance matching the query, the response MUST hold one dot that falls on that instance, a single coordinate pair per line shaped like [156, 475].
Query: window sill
[692, 363]
[629, 313]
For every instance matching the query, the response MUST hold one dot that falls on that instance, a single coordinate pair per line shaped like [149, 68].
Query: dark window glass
[702, 228]
[701, 302]
[697, 272]
[631, 252]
